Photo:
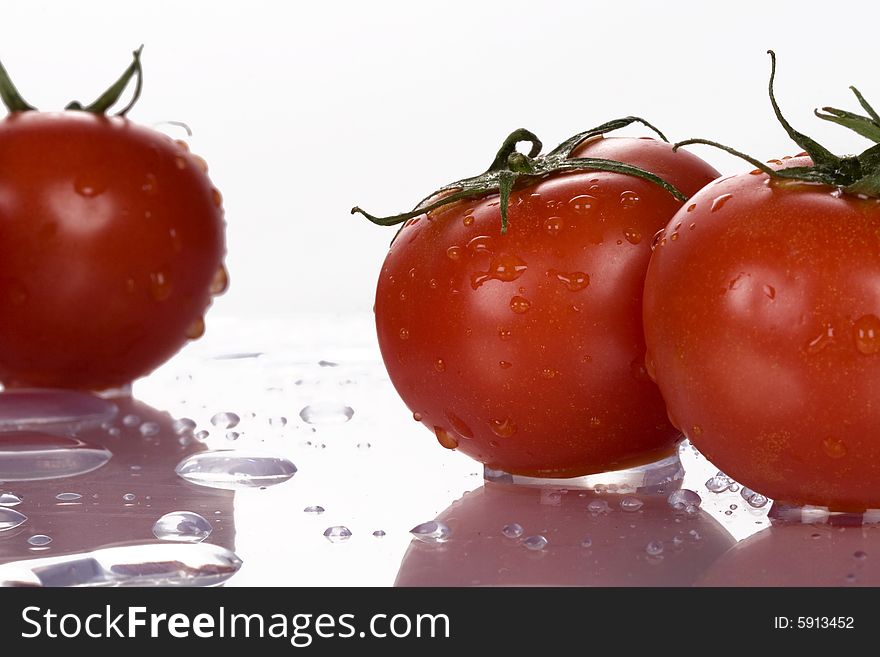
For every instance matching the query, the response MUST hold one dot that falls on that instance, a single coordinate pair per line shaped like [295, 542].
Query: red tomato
[762, 319]
[111, 245]
[524, 350]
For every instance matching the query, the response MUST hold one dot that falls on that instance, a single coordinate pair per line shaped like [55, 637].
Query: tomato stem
[9, 94]
[111, 96]
[855, 174]
[510, 165]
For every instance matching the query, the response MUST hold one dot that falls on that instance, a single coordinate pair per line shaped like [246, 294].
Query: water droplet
[825, 338]
[433, 284]
[454, 252]
[548, 373]
[834, 448]
[180, 162]
[440, 365]
[628, 200]
[225, 420]
[681, 499]
[861, 555]
[632, 235]
[327, 412]
[867, 334]
[445, 438]
[404, 334]
[232, 469]
[631, 504]
[337, 534]
[535, 543]
[504, 365]
[512, 530]
[503, 428]
[68, 497]
[38, 409]
[129, 497]
[432, 531]
[587, 542]
[150, 184]
[363, 446]
[417, 416]
[520, 305]
[595, 422]
[33, 456]
[148, 429]
[654, 548]
[201, 436]
[582, 204]
[719, 483]
[232, 435]
[131, 421]
[598, 507]
[278, 421]
[574, 281]
[480, 244]
[196, 329]
[769, 292]
[733, 507]
[10, 519]
[691, 207]
[88, 186]
[504, 268]
[182, 527]
[736, 281]
[160, 286]
[314, 509]
[755, 500]
[468, 220]
[553, 225]
[9, 499]
[719, 202]
[39, 540]
[220, 282]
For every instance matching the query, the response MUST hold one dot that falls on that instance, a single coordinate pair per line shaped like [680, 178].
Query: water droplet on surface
[553, 225]
[129, 497]
[683, 498]
[88, 186]
[582, 204]
[697, 431]
[504, 333]
[432, 531]
[183, 426]
[182, 527]
[769, 292]
[148, 429]
[861, 555]
[520, 305]
[404, 334]
[548, 373]
[574, 281]
[68, 497]
[160, 286]
[834, 448]
[39, 409]
[10, 519]
[512, 530]
[445, 438]
[719, 483]
[9, 499]
[755, 500]
[628, 199]
[597, 507]
[131, 421]
[278, 421]
[201, 436]
[595, 422]
[454, 252]
[196, 329]
[233, 469]
[504, 268]
[33, 456]
[587, 542]
[39, 540]
[225, 420]
[440, 365]
[654, 548]
[535, 543]
[326, 413]
[867, 334]
[503, 428]
[220, 282]
[379, 533]
[314, 509]
[504, 365]
[480, 244]
[417, 416]
[821, 341]
[468, 220]
[364, 446]
[631, 504]
[719, 202]
[691, 207]
[632, 236]
[232, 435]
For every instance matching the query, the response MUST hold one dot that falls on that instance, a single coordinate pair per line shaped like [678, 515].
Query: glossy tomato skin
[762, 319]
[525, 350]
[111, 242]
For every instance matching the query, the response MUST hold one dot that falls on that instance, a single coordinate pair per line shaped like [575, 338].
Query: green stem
[9, 94]
[111, 96]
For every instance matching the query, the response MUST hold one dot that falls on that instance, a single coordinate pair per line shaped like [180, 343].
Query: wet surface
[278, 453]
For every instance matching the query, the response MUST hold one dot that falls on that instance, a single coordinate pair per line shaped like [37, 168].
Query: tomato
[523, 349]
[762, 321]
[111, 247]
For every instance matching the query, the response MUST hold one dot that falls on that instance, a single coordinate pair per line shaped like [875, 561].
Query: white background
[305, 109]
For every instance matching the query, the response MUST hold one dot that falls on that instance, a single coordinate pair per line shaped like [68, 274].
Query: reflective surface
[283, 456]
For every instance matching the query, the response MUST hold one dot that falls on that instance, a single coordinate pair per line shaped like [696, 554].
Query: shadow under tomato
[590, 541]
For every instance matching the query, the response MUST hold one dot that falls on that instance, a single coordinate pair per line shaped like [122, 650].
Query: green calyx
[510, 166]
[14, 102]
[855, 174]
